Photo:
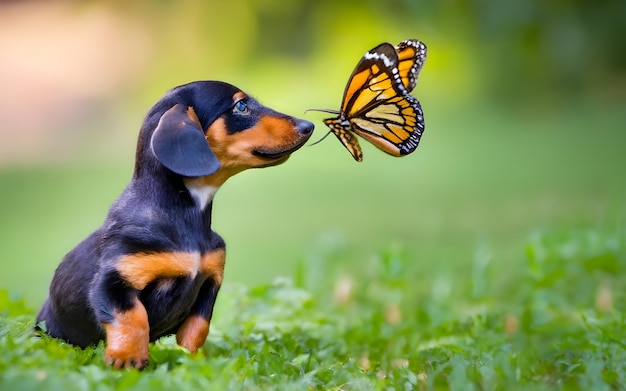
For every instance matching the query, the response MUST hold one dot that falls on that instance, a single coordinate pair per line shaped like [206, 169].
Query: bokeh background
[524, 103]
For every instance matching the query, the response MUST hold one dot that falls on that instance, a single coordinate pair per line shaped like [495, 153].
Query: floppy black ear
[179, 144]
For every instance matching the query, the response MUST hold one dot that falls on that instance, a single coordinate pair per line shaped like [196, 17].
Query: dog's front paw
[127, 358]
[127, 338]
[127, 348]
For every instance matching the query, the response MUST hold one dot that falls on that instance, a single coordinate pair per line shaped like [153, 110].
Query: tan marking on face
[127, 338]
[191, 113]
[212, 265]
[141, 269]
[193, 333]
[239, 96]
[235, 151]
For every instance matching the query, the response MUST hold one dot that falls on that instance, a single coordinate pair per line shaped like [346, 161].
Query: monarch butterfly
[376, 103]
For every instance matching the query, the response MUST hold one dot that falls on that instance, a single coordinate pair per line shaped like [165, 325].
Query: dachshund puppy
[155, 266]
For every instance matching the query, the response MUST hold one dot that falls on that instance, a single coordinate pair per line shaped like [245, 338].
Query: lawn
[492, 258]
[560, 326]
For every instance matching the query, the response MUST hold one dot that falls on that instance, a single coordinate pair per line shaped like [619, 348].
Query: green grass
[560, 326]
[493, 258]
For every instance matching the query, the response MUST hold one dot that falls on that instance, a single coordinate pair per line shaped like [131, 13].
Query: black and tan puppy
[155, 266]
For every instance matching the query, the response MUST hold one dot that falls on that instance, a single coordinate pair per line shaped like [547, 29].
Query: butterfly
[377, 104]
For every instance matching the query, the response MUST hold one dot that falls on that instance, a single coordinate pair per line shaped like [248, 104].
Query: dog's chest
[168, 302]
[142, 269]
[172, 292]
[201, 193]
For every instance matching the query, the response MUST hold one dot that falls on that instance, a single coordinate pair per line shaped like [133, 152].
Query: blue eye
[241, 107]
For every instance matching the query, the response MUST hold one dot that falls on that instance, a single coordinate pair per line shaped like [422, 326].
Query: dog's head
[211, 128]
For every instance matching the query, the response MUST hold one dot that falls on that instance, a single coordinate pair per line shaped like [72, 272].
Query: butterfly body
[377, 104]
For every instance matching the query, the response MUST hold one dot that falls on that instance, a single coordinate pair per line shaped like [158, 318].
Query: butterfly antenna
[320, 140]
[323, 111]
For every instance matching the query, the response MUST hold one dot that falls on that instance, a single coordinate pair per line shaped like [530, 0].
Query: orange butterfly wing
[376, 102]
[356, 96]
[411, 58]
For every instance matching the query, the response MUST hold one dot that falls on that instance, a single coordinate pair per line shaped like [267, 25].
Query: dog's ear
[179, 144]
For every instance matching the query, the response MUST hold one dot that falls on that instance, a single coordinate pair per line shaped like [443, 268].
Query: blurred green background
[525, 117]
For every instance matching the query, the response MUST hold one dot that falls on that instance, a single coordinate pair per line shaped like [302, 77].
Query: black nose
[304, 128]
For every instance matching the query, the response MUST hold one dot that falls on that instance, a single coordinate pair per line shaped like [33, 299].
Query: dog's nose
[304, 128]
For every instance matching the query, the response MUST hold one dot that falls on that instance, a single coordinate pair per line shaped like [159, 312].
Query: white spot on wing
[378, 56]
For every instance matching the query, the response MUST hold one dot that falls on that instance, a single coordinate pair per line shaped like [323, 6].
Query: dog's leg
[124, 320]
[127, 338]
[193, 332]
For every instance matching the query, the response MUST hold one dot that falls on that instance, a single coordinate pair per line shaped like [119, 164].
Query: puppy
[155, 266]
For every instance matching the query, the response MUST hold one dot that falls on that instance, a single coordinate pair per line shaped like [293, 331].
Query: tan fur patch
[127, 338]
[193, 333]
[239, 96]
[235, 151]
[142, 268]
[191, 113]
[212, 265]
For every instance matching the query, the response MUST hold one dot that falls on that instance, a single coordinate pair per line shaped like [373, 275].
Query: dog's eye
[241, 107]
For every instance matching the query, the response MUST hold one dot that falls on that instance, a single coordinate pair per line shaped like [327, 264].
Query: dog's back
[65, 309]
